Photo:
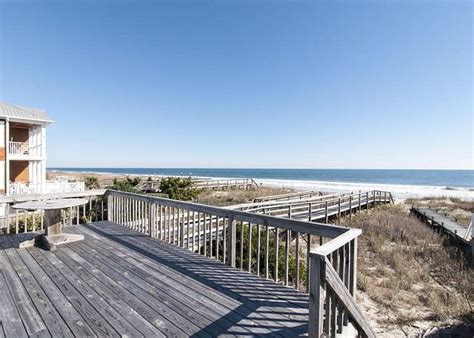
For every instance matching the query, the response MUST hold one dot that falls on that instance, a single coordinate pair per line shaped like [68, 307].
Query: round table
[52, 222]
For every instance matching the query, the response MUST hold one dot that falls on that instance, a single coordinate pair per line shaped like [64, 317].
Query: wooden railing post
[326, 213]
[339, 209]
[231, 240]
[350, 209]
[367, 201]
[317, 295]
[151, 220]
[353, 268]
[110, 209]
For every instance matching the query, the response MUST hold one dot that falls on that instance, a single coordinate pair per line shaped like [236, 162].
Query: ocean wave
[399, 191]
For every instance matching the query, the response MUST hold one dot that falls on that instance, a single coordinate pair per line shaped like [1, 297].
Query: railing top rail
[313, 228]
[256, 205]
[338, 242]
[277, 197]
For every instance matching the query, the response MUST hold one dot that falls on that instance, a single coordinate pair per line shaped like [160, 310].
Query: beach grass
[409, 272]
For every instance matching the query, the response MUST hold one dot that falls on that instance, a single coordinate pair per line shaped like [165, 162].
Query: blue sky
[289, 84]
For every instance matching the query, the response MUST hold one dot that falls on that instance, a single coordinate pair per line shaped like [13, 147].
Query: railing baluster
[297, 260]
[249, 267]
[232, 240]
[210, 235]
[340, 266]
[241, 264]
[193, 244]
[287, 255]
[267, 244]
[327, 311]
[346, 278]
[205, 234]
[17, 222]
[308, 251]
[258, 249]
[217, 237]
[168, 221]
[188, 234]
[277, 246]
[224, 239]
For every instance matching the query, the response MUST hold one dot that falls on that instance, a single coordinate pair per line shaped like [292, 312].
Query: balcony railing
[51, 187]
[23, 149]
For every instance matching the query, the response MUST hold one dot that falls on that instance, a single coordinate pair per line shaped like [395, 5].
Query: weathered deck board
[220, 278]
[120, 282]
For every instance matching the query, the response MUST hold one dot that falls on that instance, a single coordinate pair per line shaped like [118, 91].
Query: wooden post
[367, 201]
[151, 220]
[317, 295]
[350, 209]
[327, 216]
[339, 209]
[231, 241]
[359, 201]
[353, 268]
[110, 208]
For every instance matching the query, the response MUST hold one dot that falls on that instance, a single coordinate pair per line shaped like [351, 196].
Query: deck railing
[50, 187]
[23, 149]
[314, 257]
[320, 259]
[22, 221]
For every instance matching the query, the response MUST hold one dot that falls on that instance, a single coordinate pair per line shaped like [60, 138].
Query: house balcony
[50, 187]
[23, 151]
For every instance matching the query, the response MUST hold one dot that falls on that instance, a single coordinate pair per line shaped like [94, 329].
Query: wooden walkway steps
[121, 282]
[443, 223]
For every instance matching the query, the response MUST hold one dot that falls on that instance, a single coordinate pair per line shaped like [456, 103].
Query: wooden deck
[122, 282]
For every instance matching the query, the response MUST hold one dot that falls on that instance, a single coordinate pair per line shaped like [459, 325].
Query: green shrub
[178, 188]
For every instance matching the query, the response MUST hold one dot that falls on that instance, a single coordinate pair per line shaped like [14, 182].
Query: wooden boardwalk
[318, 208]
[122, 282]
[442, 223]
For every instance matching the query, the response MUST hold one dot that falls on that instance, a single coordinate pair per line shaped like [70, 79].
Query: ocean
[447, 179]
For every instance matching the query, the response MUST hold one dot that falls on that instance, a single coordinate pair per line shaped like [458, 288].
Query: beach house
[23, 153]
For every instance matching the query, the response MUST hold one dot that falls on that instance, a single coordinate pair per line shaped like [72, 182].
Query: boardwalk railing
[319, 207]
[289, 196]
[231, 183]
[276, 248]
